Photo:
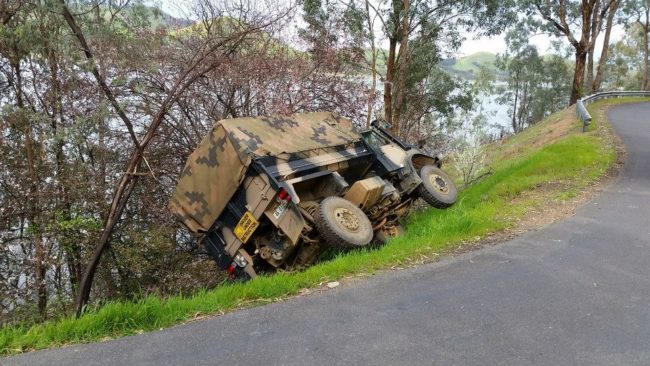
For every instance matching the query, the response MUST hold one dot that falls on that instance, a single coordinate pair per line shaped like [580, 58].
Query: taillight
[284, 195]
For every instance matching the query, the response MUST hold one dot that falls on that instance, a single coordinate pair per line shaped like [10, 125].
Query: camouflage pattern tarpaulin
[219, 164]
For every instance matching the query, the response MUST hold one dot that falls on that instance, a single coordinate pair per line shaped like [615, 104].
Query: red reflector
[283, 194]
[231, 269]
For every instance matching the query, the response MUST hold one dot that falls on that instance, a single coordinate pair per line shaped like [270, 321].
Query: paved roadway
[573, 293]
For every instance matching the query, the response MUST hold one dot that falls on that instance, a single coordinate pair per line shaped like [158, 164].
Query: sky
[495, 44]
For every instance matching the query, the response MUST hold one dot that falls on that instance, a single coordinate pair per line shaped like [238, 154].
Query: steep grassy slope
[553, 157]
[474, 61]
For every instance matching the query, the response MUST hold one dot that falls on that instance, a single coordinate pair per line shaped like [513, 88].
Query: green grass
[489, 206]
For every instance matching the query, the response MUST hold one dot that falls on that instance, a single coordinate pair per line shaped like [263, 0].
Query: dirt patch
[556, 127]
[562, 126]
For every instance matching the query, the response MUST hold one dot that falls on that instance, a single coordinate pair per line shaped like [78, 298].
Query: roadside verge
[545, 166]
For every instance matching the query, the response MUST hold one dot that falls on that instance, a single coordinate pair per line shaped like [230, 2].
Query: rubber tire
[431, 194]
[336, 235]
[381, 238]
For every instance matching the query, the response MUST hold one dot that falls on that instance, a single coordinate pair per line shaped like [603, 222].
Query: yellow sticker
[246, 227]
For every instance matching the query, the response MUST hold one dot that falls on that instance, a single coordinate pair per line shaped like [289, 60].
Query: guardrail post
[584, 115]
[585, 124]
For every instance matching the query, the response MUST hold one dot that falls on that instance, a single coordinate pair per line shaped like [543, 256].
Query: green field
[564, 165]
[472, 63]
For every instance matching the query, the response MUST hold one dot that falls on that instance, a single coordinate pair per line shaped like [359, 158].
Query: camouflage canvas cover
[218, 165]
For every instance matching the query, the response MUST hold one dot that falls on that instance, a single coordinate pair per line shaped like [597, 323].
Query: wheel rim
[346, 219]
[439, 183]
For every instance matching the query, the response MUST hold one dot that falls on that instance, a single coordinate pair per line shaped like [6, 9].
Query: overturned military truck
[275, 192]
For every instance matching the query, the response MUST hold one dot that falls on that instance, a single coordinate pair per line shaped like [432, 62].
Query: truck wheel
[437, 189]
[382, 235]
[342, 224]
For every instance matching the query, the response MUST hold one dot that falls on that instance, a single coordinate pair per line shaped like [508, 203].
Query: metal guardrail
[581, 108]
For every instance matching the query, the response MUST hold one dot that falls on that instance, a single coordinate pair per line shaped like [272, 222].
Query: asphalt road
[573, 293]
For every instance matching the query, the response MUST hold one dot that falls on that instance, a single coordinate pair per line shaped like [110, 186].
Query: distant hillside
[227, 24]
[145, 15]
[468, 66]
[474, 61]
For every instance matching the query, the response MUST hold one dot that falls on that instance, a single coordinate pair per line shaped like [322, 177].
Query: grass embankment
[554, 155]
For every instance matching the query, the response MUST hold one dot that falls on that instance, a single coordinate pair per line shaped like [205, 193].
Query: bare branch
[95, 71]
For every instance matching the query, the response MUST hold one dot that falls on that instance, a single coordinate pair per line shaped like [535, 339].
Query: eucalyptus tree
[594, 81]
[637, 14]
[38, 165]
[524, 69]
[577, 21]
[418, 33]
[625, 66]
[536, 85]
[425, 30]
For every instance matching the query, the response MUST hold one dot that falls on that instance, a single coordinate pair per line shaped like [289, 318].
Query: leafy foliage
[536, 86]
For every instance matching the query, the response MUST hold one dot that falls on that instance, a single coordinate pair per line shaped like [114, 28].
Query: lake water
[495, 112]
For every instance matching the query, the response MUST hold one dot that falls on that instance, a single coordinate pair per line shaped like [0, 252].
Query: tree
[27, 49]
[203, 61]
[524, 70]
[370, 23]
[417, 33]
[638, 11]
[421, 27]
[625, 66]
[604, 54]
[334, 29]
[563, 19]
[536, 86]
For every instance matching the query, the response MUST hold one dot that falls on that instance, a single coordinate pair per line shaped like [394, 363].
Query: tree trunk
[645, 83]
[40, 269]
[589, 83]
[402, 65]
[604, 54]
[373, 66]
[388, 83]
[578, 75]
[595, 30]
[523, 108]
[514, 108]
[63, 205]
[121, 196]
[390, 65]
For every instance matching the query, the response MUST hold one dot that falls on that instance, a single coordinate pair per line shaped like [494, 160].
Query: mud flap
[216, 247]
